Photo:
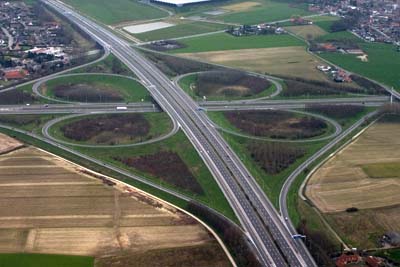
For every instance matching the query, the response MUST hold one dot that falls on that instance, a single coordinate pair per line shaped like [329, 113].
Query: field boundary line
[215, 235]
[326, 159]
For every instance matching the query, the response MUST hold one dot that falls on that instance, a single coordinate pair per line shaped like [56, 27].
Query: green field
[393, 254]
[44, 260]
[27, 122]
[224, 41]
[382, 170]
[324, 22]
[179, 30]
[131, 91]
[268, 11]
[339, 36]
[111, 64]
[383, 63]
[160, 124]
[116, 11]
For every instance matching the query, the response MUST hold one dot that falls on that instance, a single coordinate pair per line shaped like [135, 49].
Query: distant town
[371, 20]
[34, 43]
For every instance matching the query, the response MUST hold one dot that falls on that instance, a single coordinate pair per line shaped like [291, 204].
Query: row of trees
[336, 111]
[16, 97]
[173, 66]
[234, 238]
[296, 86]
[275, 157]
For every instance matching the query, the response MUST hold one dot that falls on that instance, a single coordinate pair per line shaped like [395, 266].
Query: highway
[261, 221]
[71, 107]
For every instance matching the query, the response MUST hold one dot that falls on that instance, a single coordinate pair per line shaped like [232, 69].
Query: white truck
[121, 108]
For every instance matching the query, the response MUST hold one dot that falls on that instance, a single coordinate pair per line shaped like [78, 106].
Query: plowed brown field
[48, 205]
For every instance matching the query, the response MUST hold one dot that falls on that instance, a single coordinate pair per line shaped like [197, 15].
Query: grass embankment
[47, 260]
[225, 41]
[95, 88]
[28, 122]
[180, 30]
[121, 131]
[111, 64]
[117, 11]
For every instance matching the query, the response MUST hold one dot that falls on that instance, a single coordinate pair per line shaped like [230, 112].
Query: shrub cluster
[86, 93]
[128, 124]
[168, 166]
[173, 66]
[16, 97]
[336, 111]
[224, 81]
[303, 87]
[276, 124]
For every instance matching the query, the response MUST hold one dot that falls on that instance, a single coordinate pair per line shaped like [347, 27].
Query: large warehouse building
[180, 2]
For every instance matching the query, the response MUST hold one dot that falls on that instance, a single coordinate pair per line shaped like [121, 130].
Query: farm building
[180, 2]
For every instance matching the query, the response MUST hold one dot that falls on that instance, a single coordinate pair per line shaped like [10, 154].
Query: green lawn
[383, 63]
[44, 260]
[132, 91]
[224, 41]
[339, 36]
[324, 22]
[160, 124]
[179, 30]
[382, 170]
[116, 11]
[268, 11]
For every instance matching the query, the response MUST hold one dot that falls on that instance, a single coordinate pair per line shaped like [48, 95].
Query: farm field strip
[82, 216]
[343, 182]
[288, 61]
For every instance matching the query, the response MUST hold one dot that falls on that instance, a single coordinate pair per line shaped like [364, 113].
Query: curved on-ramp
[49, 124]
[338, 130]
